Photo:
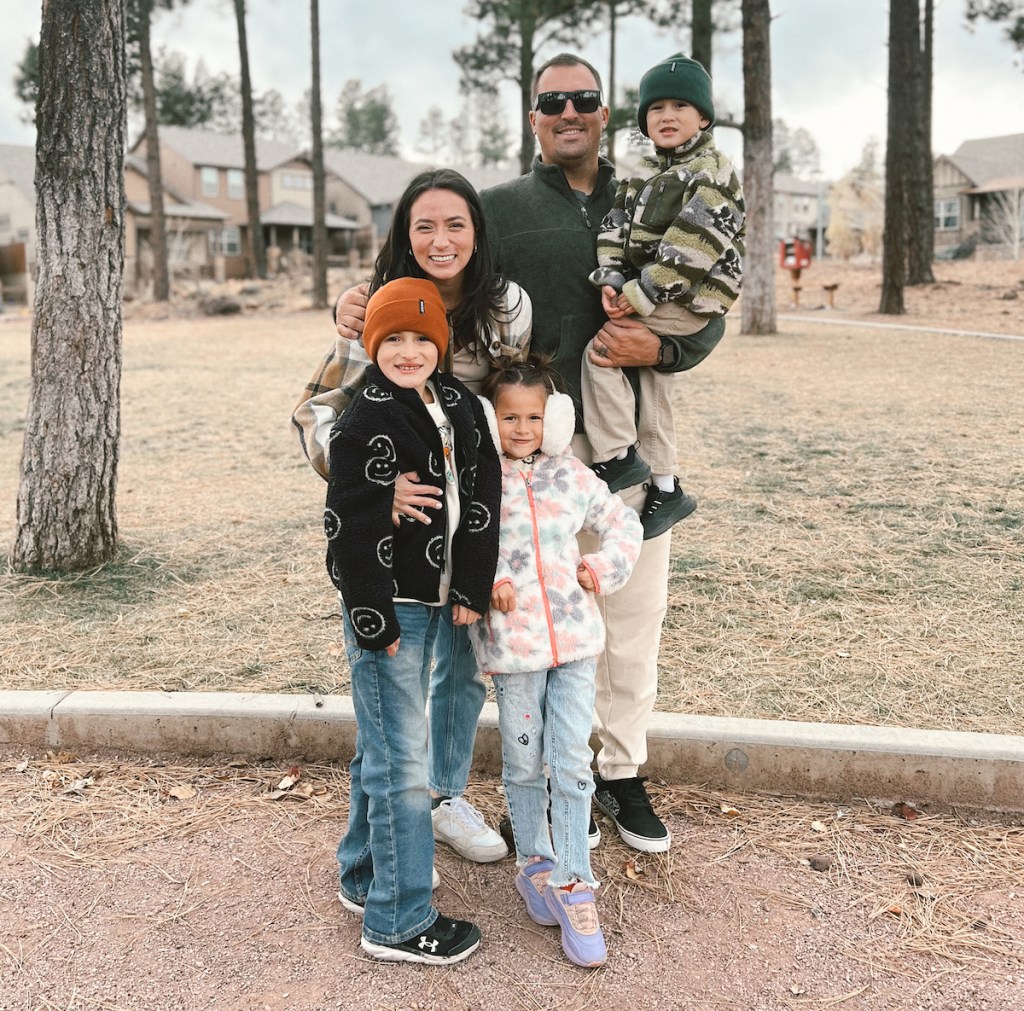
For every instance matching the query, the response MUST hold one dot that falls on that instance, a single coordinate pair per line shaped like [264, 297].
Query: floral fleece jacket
[543, 508]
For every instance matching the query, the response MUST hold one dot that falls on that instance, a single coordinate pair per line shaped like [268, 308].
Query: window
[5, 222]
[236, 184]
[209, 181]
[947, 215]
[296, 181]
[231, 242]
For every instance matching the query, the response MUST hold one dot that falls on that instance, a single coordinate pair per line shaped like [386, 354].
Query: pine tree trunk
[66, 513]
[157, 219]
[526, 141]
[319, 184]
[256, 251]
[609, 98]
[702, 33]
[900, 153]
[921, 250]
[757, 306]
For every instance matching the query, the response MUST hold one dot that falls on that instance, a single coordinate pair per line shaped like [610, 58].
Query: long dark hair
[483, 291]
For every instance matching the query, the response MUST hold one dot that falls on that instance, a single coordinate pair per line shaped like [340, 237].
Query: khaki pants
[627, 671]
[612, 419]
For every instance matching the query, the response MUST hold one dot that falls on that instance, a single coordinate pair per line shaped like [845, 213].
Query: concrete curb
[941, 768]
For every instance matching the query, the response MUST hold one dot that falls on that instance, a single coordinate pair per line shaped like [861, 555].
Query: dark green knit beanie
[677, 77]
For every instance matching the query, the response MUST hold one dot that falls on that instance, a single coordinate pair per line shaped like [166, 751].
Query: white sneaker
[355, 907]
[460, 825]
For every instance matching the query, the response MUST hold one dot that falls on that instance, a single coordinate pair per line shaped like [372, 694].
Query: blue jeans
[546, 716]
[457, 693]
[386, 857]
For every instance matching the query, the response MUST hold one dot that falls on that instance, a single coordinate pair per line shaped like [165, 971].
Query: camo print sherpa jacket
[677, 235]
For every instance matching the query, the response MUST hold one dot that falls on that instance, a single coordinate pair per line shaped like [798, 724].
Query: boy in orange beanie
[394, 581]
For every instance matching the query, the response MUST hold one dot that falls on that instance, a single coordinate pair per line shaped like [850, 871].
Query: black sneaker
[505, 828]
[625, 473]
[442, 943]
[625, 801]
[663, 509]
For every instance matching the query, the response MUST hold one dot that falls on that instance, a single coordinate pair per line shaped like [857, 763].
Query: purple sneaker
[576, 912]
[531, 884]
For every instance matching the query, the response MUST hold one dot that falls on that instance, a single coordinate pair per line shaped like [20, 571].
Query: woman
[437, 232]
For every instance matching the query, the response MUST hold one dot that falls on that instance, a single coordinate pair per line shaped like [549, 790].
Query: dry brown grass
[856, 558]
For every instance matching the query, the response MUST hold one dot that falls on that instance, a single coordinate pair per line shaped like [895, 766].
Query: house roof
[173, 208]
[783, 182]
[18, 164]
[222, 150]
[293, 215]
[990, 158]
[381, 179]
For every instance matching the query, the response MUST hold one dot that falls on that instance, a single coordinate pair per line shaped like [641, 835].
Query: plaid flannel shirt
[342, 374]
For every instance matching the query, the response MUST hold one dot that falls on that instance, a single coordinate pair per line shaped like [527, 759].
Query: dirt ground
[129, 882]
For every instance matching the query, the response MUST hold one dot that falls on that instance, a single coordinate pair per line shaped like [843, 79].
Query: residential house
[17, 223]
[366, 187]
[800, 210]
[978, 199]
[209, 168]
[192, 229]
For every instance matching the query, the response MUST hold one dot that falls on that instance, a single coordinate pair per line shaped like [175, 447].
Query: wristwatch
[666, 353]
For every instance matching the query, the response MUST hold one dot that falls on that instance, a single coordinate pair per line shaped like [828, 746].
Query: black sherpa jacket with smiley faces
[388, 431]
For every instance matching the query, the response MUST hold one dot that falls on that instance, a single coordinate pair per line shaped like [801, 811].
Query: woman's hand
[412, 497]
[462, 615]
[624, 342]
[350, 311]
[392, 650]
[503, 598]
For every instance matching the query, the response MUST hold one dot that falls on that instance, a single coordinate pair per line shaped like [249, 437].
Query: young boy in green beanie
[670, 252]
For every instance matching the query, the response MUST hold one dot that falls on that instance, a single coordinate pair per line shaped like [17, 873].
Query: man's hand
[412, 497]
[624, 342]
[350, 312]
[392, 650]
[503, 598]
[462, 615]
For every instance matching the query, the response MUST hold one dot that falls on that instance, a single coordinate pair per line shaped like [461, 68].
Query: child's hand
[610, 302]
[585, 578]
[393, 648]
[462, 615]
[624, 306]
[503, 598]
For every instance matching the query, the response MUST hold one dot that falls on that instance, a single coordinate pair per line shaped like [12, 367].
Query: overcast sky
[828, 64]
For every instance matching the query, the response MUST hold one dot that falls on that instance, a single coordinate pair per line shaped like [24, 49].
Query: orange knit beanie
[408, 303]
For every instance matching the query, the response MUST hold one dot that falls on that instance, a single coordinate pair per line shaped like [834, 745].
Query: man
[543, 228]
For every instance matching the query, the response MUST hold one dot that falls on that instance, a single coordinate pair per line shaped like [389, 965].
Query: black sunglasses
[551, 103]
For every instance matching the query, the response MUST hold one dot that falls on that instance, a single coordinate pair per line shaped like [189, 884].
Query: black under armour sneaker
[625, 801]
[445, 941]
